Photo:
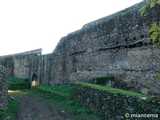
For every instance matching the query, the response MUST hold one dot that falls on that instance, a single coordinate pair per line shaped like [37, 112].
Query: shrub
[10, 112]
[103, 80]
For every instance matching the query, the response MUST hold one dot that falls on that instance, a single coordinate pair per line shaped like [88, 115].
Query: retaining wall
[116, 106]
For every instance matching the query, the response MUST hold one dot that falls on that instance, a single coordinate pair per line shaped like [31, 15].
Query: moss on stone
[111, 90]
[18, 83]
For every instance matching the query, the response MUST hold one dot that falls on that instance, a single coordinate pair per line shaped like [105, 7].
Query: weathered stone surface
[115, 45]
[112, 105]
[3, 88]
[22, 65]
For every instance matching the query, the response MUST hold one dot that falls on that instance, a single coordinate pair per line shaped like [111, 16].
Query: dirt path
[33, 107]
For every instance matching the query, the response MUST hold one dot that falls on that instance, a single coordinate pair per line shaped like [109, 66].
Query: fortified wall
[115, 45]
[22, 65]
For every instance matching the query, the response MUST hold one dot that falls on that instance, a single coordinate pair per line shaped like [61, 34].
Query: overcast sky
[31, 24]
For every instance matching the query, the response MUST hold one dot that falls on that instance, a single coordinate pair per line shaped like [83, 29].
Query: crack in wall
[139, 43]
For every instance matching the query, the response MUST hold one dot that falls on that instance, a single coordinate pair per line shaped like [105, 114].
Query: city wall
[115, 45]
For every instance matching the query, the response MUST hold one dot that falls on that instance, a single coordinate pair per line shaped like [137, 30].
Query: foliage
[100, 80]
[143, 9]
[154, 30]
[3, 111]
[65, 106]
[154, 33]
[9, 113]
[151, 3]
[16, 80]
[18, 83]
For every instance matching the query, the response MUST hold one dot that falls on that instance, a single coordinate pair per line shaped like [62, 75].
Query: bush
[18, 83]
[103, 80]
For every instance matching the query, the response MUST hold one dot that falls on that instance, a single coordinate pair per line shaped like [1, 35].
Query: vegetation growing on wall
[154, 30]
[18, 83]
[111, 103]
[103, 80]
[111, 90]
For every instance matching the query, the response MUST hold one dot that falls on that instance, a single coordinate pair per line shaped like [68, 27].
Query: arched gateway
[34, 80]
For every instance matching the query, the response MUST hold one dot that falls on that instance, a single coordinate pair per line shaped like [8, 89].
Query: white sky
[31, 24]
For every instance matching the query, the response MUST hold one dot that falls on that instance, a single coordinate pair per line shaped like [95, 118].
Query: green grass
[16, 80]
[59, 89]
[65, 107]
[18, 83]
[9, 113]
[111, 90]
[69, 108]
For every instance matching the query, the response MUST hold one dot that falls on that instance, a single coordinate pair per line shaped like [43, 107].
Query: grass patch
[18, 83]
[63, 90]
[16, 80]
[111, 90]
[69, 109]
[9, 113]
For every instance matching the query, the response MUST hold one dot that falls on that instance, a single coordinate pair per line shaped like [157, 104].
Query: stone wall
[46, 69]
[22, 65]
[3, 88]
[115, 45]
[113, 105]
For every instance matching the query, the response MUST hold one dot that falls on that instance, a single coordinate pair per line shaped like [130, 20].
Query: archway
[34, 80]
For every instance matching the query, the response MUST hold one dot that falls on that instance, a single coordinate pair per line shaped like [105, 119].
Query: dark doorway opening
[34, 80]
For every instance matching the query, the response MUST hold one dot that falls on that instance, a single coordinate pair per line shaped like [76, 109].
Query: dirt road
[33, 107]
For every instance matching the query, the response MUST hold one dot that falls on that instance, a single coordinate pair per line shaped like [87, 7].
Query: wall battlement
[115, 45]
